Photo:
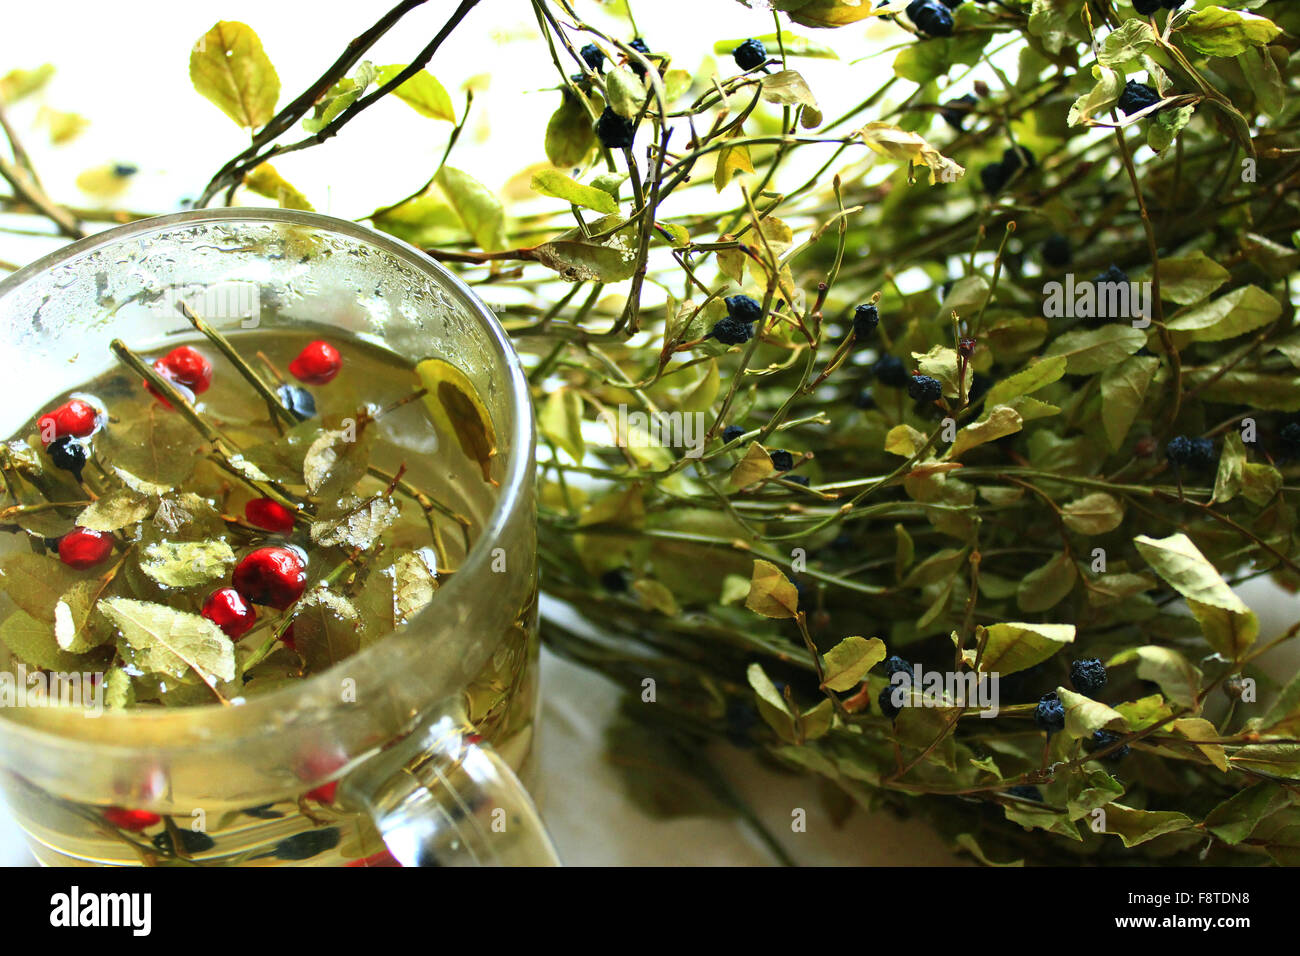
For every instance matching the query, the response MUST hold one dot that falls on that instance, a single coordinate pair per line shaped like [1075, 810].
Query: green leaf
[732, 160]
[336, 460]
[265, 181]
[788, 88]
[478, 208]
[580, 261]
[1189, 279]
[1240, 311]
[552, 182]
[1047, 585]
[1088, 351]
[422, 92]
[1083, 715]
[560, 420]
[999, 422]
[1227, 479]
[119, 692]
[770, 592]
[771, 705]
[904, 551]
[230, 68]
[340, 96]
[1177, 678]
[1259, 390]
[354, 522]
[656, 597]
[1262, 76]
[1028, 380]
[33, 643]
[1104, 94]
[1163, 127]
[924, 63]
[1135, 827]
[1055, 23]
[904, 146]
[162, 640]
[36, 583]
[941, 363]
[1096, 513]
[1259, 482]
[569, 133]
[1126, 44]
[1236, 818]
[627, 94]
[847, 663]
[1220, 32]
[75, 625]
[1009, 648]
[1229, 625]
[326, 628]
[904, 441]
[1097, 789]
[185, 564]
[456, 408]
[1198, 729]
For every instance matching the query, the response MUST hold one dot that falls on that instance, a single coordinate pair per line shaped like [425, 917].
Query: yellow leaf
[456, 409]
[770, 592]
[755, 466]
[904, 146]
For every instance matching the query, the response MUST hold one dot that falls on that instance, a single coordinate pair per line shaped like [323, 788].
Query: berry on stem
[1088, 676]
[640, 46]
[594, 57]
[1289, 439]
[1049, 715]
[886, 702]
[931, 18]
[316, 364]
[865, 319]
[1104, 738]
[731, 433]
[955, 111]
[298, 400]
[731, 331]
[782, 460]
[743, 308]
[1137, 97]
[269, 514]
[889, 370]
[76, 418]
[227, 609]
[83, 548]
[750, 54]
[274, 576]
[897, 665]
[924, 388]
[614, 131]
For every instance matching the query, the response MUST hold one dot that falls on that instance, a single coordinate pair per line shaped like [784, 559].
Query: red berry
[274, 576]
[316, 364]
[324, 793]
[269, 514]
[187, 367]
[133, 820]
[82, 548]
[227, 609]
[76, 417]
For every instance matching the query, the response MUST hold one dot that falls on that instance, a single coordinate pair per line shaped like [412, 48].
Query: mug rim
[513, 494]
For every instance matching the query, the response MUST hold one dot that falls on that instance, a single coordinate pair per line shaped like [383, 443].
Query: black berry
[1113, 273]
[743, 308]
[731, 331]
[799, 480]
[639, 45]
[865, 320]
[614, 580]
[593, 56]
[1179, 451]
[1146, 7]
[1049, 715]
[994, 177]
[1057, 251]
[1137, 96]
[1172, 4]
[1025, 792]
[298, 400]
[886, 702]
[1205, 456]
[614, 131]
[69, 454]
[1104, 738]
[954, 112]
[781, 460]
[889, 370]
[923, 388]
[896, 665]
[732, 432]
[750, 54]
[952, 4]
[1018, 157]
[1088, 676]
[932, 19]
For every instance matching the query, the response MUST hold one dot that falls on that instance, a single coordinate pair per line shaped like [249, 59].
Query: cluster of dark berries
[1137, 97]
[614, 131]
[925, 388]
[1194, 454]
[594, 57]
[893, 665]
[889, 370]
[1113, 274]
[954, 112]
[737, 327]
[931, 18]
[750, 55]
[1049, 715]
[1088, 676]
[995, 176]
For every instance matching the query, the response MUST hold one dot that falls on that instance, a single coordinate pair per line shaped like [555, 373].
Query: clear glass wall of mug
[410, 750]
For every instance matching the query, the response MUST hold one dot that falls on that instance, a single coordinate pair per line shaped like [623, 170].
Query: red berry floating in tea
[82, 548]
[76, 418]
[227, 609]
[316, 364]
[269, 514]
[274, 576]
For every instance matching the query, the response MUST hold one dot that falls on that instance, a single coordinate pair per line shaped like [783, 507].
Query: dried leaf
[456, 409]
[770, 592]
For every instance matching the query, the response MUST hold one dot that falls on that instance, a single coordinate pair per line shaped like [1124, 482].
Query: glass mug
[419, 760]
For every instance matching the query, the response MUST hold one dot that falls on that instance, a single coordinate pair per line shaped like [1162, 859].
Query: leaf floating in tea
[414, 582]
[184, 564]
[115, 511]
[36, 582]
[337, 460]
[456, 407]
[77, 627]
[162, 640]
[358, 525]
[33, 642]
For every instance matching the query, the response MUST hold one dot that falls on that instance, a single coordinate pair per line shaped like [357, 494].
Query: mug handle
[443, 797]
